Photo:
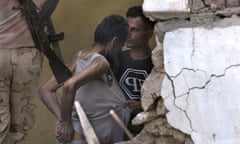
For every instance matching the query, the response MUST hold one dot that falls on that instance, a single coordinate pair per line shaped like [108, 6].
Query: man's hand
[39, 3]
[134, 106]
[64, 132]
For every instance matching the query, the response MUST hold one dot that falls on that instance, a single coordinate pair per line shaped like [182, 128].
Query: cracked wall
[192, 95]
[202, 83]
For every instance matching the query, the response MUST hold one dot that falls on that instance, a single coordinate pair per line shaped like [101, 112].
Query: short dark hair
[137, 11]
[110, 27]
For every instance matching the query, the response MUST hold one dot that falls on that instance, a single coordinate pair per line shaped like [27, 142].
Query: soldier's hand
[39, 3]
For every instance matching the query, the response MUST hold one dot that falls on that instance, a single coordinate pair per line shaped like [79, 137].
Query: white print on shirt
[132, 81]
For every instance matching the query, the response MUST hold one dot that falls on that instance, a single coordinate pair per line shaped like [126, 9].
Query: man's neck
[98, 49]
[140, 54]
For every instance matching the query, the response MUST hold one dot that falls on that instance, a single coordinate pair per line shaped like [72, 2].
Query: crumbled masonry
[192, 94]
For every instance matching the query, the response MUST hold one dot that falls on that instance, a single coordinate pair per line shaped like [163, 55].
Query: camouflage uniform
[20, 66]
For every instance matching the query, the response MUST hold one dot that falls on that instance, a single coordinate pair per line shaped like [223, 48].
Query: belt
[78, 136]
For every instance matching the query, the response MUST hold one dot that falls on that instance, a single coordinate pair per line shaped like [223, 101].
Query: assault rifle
[44, 36]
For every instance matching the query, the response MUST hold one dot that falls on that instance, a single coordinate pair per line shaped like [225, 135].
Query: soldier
[20, 67]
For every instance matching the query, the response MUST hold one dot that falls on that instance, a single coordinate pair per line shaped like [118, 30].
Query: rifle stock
[60, 71]
[44, 36]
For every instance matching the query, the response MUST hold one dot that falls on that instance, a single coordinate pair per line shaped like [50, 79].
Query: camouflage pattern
[20, 71]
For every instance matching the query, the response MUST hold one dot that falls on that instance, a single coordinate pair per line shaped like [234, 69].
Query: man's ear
[112, 42]
[149, 33]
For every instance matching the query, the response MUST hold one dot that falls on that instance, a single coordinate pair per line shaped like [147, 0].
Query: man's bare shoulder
[86, 54]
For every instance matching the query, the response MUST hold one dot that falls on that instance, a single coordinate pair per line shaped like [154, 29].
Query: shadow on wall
[77, 19]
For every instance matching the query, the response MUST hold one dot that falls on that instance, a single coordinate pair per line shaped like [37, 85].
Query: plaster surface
[165, 9]
[201, 85]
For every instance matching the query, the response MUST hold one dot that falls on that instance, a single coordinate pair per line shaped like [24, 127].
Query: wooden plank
[88, 130]
[120, 123]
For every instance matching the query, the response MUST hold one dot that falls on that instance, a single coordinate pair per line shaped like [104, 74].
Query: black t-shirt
[132, 73]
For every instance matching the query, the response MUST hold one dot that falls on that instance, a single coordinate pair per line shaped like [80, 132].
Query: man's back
[97, 97]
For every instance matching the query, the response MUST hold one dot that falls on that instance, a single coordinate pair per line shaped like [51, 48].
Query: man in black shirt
[134, 65]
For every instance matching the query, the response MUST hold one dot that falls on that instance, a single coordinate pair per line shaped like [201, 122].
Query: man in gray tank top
[94, 86]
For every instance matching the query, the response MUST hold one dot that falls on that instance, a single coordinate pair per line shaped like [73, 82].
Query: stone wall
[192, 94]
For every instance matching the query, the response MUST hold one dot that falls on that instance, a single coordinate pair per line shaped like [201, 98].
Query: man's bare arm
[47, 92]
[94, 71]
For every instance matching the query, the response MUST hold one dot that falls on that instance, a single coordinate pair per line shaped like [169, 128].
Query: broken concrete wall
[192, 94]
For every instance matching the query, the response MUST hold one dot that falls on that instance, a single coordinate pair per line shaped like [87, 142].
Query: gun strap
[48, 9]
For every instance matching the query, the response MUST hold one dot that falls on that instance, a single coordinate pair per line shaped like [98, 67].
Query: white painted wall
[202, 94]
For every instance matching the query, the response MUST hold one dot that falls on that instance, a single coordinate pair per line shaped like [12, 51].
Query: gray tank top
[97, 97]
